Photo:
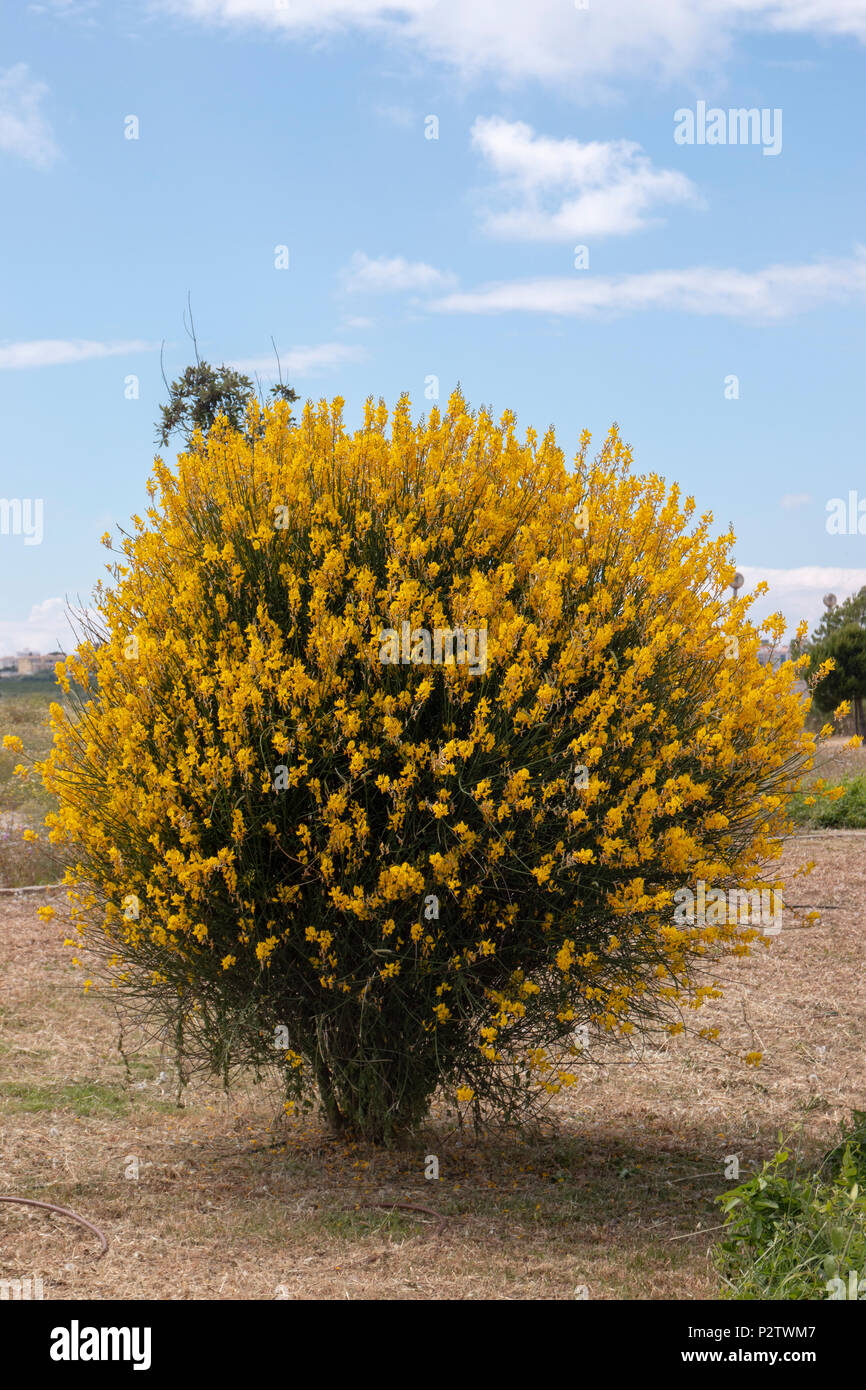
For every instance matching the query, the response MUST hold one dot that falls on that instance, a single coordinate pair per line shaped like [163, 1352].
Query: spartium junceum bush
[399, 742]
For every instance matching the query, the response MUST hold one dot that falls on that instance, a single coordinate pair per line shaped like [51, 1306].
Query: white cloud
[799, 593]
[384, 275]
[24, 130]
[763, 295]
[792, 500]
[302, 361]
[565, 188]
[45, 629]
[807, 16]
[56, 352]
[65, 9]
[548, 39]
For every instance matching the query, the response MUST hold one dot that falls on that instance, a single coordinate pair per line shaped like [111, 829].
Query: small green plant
[798, 1235]
[852, 1145]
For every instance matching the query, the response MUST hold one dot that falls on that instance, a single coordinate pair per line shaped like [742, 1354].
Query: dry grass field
[612, 1194]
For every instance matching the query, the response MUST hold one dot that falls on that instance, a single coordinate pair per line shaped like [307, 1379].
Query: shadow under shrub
[385, 877]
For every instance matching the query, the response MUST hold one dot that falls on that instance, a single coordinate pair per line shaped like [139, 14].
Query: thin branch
[32, 888]
[162, 366]
[191, 329]
[63, 1211]
[702, 1231]
[406, 1206]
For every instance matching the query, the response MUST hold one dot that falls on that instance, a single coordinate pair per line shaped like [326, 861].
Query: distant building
[30, 663]
[773, 656]
[776, 657]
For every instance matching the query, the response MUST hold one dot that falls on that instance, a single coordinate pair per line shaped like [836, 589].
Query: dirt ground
[611, 1198]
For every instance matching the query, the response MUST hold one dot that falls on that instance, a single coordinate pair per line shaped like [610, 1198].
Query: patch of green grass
[24, 706]
[25, 703]
[24, 802]
[84, 1097]
[355, 1225]
[849, 812]
[140, 1066]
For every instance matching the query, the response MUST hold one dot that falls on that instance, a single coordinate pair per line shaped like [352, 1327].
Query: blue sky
[306, 125]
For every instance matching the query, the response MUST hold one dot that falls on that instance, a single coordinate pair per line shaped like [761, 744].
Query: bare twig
[31, 888]
[702, 1231]
[407, 1206]
[63, 1211]
[692, 1177]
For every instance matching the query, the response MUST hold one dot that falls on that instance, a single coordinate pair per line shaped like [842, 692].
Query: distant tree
[841, 635]
[852, 610]
[847, 681]
[203, 392]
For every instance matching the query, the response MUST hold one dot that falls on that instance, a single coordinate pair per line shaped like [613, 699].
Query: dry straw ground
[613, 1194]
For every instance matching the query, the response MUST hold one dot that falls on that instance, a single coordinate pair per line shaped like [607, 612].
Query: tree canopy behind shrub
[203, 393]
[389, 875]
[841, 638]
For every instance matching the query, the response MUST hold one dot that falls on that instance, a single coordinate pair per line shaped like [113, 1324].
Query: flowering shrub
[394, 874]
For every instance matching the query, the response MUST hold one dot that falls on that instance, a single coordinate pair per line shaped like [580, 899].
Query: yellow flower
[265, 948]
